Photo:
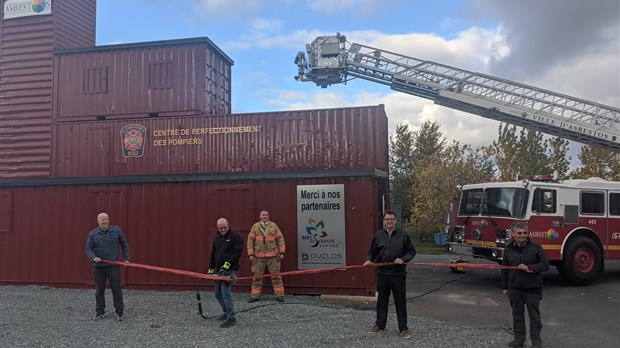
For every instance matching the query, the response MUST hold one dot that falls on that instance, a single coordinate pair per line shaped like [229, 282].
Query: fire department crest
[133, 137]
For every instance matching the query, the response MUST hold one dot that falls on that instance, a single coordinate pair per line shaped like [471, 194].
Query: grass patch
[429, 248]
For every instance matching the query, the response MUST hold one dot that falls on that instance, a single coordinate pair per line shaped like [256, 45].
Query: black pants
[397, 286]
[113, 275]
[519, 300]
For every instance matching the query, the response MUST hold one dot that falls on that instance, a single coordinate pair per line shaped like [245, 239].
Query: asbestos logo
[38, 6]
[552, 234]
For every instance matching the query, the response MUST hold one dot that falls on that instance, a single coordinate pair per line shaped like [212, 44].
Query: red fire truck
[576, 221]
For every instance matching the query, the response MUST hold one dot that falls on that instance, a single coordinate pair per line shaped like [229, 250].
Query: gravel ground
[40, 316]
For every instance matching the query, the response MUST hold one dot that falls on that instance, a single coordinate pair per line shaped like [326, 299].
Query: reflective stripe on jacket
[265, 242]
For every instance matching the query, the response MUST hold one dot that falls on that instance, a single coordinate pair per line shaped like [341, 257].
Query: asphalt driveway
[573, 316]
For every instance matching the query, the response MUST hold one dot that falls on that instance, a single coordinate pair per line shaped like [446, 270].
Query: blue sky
[567, 46]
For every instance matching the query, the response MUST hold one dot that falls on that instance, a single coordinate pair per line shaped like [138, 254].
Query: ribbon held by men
[308, 271]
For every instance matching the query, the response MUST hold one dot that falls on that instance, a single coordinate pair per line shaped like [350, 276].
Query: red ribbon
[308, 271]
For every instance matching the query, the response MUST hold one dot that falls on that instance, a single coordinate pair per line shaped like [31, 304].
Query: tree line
[425, 168]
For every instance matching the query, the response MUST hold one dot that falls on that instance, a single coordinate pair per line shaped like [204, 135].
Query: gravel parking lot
[40, 316]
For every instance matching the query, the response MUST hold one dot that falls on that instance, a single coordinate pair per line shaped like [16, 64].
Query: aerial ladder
[331, 60]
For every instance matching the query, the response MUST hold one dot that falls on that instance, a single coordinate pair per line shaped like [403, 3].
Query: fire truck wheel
[582, 261]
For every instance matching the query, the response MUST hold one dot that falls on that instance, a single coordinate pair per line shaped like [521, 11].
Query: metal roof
[177, 42]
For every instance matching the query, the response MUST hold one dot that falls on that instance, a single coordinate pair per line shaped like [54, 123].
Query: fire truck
[577, 222]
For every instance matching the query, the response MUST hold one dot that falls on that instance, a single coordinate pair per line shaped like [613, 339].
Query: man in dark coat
[523, 286]
[225, 252]
[391, 245]
[103, 243]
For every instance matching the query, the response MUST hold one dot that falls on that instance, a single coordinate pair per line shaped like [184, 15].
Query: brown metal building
[26, 45]
[168, 199]
[147, 79]
[144, 132]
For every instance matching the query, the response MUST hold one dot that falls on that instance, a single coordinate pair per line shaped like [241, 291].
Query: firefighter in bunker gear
[266, 249]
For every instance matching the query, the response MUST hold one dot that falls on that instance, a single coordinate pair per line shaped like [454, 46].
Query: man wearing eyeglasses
[391, 245]
[523, 286]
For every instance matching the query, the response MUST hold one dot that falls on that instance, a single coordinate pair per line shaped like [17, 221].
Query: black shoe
[99, 316]
[119, 316]
[228, 323]
[516, 344]
[253, 299]
[280, 298]
[222, 317]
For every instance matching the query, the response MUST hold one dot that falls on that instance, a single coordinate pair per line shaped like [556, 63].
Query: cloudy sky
[567, 46]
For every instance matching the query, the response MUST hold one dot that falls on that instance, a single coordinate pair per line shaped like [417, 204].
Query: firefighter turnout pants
[258, 269]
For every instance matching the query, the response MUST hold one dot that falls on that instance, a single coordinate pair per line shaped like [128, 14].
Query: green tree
[527, 153]
[559, 160]
[402, 169]
[597, 162]
[504, 151]
[532, 151]
[457, 165]
[428, 147]
[429, 143]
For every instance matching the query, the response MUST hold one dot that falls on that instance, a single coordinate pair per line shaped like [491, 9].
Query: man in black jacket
[102, 244]
[225, 252]
[523, 286]
[391, 245]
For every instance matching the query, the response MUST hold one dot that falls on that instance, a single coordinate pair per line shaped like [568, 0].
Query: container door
[113, 201]
[236, 203]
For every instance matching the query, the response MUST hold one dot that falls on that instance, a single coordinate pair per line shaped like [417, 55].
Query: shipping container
[171, 224]
[143, 131]
[325, 139]
[27, 40]
[146, 79]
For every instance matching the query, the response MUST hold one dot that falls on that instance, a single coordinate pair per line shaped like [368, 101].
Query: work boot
[516, 344]
[228, 323]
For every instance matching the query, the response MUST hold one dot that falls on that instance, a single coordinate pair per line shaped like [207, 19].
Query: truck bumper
[489, 253]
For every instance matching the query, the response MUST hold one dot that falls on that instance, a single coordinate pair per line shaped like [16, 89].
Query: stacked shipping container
[143, 132]
[26, 45]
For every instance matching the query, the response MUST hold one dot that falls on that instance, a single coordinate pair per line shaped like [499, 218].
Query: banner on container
[320, 226]
[25, 8]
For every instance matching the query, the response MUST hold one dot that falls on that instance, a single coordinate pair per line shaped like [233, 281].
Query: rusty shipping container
[27, 40]
[143, 131]
[165, 181]
[319, 140]
[146, 79]
[171, 224]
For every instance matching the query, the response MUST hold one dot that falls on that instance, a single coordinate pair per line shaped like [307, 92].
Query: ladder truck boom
[331, 60]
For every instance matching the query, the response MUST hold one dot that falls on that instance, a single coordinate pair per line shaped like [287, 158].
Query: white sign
[25, 8]
[320, 226]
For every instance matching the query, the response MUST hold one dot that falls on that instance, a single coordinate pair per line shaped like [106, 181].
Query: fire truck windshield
[504, 202]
